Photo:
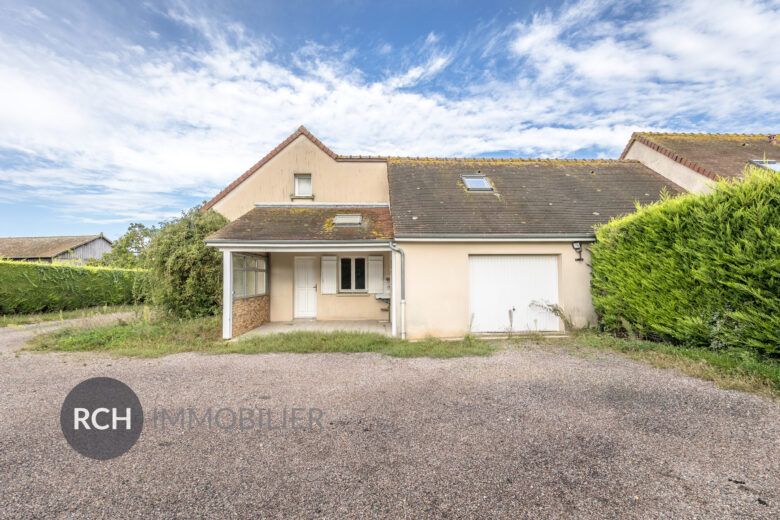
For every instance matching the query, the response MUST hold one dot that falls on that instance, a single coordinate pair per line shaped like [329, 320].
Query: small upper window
[476, 183]
[770, 164]
[303, 185]
[348, 219]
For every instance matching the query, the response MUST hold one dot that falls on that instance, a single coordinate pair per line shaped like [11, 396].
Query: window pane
[238, 283]
[251, 263]
[360, 274]
[303, 185]
[251, 276]
[261, 262]
[475, 182]
[261, 283]
[346, 273]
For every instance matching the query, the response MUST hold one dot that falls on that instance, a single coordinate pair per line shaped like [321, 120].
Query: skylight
[476, 183]
[348, 219]
[770, 164]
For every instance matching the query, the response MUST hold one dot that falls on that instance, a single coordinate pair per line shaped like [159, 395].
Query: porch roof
[310, 223]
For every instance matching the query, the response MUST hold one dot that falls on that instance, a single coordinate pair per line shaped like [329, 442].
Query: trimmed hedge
[699, 270]
[36, 287]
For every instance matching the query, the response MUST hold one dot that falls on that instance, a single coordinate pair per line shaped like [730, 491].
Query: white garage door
[502, 288]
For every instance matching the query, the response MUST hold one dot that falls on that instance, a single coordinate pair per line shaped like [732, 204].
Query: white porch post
[227, 294]
[392, 293]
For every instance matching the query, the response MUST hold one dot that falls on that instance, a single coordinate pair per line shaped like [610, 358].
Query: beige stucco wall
[437, 284]
[332, 181]
[329, 306]
[672, 170]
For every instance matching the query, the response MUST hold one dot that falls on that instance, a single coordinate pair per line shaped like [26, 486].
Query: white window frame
[296, 187]
[348, 219]
[242, 271]
[476, 176]
[765, 163]
[352, 275]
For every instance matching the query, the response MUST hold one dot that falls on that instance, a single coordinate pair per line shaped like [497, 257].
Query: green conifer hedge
[700, 270]
[37, 287]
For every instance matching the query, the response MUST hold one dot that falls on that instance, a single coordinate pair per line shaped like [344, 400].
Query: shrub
[185, 276]
[36, 287]
[129, 250]
[698, 270]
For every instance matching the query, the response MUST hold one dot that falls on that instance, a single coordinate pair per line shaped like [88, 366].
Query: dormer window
[348, 219]
[303, 185]
[476, 182]
[769, 164]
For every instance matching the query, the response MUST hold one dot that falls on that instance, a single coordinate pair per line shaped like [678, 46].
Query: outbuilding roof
[307, 222]
[42, 247]
[530, 196]
[712, 155]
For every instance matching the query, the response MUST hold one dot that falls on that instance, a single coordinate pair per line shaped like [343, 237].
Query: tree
[129, 250]
[185, 276]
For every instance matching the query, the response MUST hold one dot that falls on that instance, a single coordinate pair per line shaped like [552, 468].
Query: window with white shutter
[376, 274]
[329, 276]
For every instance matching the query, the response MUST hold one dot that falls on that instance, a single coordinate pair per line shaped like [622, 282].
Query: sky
[120, 112]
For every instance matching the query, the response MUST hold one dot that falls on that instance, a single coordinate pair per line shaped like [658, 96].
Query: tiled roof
[711, 155]
[299, 132]
[532, 196]
[41, 247]
[307, 222]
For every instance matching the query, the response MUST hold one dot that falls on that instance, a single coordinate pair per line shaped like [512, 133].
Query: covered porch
[337, 280]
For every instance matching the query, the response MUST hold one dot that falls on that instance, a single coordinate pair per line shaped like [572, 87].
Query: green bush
[699, 270]
[185, 276]
[33, 287]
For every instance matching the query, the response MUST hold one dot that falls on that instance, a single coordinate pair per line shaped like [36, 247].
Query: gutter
[496, 237]
[403, 287]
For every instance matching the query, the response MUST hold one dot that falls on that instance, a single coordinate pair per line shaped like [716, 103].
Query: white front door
[305, 280]
[505, 292]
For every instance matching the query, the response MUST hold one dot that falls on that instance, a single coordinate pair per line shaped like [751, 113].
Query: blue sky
[119, 112]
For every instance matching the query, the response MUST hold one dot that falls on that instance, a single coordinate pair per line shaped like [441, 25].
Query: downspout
[403, 288]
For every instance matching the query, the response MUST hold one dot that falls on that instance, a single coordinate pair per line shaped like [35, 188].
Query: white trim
[352, 259]
[392, 294]
[227, 294]
[293, 247]
[497, 239]
[322, 204]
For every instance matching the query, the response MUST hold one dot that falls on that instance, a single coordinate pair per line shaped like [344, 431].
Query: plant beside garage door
[698, 270]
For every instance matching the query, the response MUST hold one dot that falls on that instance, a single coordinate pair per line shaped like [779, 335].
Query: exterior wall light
[577, 246]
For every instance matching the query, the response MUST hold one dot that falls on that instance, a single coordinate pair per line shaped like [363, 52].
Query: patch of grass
[153, 337]
[41, 317]
[735, 369]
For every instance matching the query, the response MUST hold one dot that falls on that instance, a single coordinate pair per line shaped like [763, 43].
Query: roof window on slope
[348, 219]
[769, 164]
[476, 183]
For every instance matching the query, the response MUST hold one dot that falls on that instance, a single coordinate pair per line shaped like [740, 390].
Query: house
[694, 161]
[436, 247]
[76, 249]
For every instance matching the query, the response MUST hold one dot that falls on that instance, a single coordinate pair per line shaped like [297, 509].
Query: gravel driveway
[525, 433]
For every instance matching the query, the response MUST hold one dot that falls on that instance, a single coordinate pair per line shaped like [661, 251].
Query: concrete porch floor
[277, 327]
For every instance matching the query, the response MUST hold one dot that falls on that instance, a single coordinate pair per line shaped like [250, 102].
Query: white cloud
[135, 128]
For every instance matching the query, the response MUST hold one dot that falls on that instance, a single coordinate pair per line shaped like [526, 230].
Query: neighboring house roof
[301, 131]
[532, 196]
[42, 247]
[712, 155]
[307, 222]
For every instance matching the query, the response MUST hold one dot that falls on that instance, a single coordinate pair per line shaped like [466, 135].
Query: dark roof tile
[532, 196]
[42, 247]
[307, 222]
[712, 155]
